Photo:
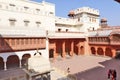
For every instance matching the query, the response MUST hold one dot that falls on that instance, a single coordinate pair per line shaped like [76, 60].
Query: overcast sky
[109, 9]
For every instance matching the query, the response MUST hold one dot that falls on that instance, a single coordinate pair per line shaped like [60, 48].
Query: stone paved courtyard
[88, 67]
[83, 67]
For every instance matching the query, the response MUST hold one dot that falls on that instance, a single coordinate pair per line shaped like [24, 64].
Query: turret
[71, 14]
[103, 23]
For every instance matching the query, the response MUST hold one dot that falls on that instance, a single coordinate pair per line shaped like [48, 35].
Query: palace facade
[27, 26]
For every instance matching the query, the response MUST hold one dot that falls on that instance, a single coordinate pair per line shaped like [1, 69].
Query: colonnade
[66, 47]
[102, 50]
[4, 61]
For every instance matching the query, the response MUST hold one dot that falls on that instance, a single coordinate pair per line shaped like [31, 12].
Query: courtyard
[86, 67]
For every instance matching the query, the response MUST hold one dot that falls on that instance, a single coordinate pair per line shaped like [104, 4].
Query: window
[26, 22]
[26, 8]
[12, 22]
[38, 23]
[51, 13]
[12, 5]
[37, 10]
[59, 30]
[90, 19]
[66, 30]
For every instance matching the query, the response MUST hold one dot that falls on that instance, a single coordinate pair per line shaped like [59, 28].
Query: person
[109, 73]
[68, 70]
[114, 74]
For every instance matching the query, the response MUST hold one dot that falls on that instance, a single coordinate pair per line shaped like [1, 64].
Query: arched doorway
[117, 54]
[51, 53]
[76, 47]
[108, 52]
[81, 50]
[67, 50]
[25, 59]
[1, 63]
[12, 61]
[100, 51]
[67, 47]
[93, 51]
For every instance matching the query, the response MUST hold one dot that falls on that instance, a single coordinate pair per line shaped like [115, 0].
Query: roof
[22, 33]
[105, 32]
[102, 33]
[61, 35]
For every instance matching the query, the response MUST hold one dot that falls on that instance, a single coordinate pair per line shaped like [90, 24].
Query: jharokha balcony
[104, 41]
[115, 43]
[99, 40]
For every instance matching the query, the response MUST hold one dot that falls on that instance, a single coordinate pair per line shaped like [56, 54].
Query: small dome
[71, 12]
[103, 20]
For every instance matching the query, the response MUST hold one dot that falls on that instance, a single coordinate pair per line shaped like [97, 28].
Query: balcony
[96, 42]
[115, 43]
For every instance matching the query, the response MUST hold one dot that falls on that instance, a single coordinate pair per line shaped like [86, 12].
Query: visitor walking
[68, 70]
[109, 73]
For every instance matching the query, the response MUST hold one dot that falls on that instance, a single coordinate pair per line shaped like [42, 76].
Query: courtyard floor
[87, 67]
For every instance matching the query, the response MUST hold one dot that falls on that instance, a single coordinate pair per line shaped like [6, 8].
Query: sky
[108, 9]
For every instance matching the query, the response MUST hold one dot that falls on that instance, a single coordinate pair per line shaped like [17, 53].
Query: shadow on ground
[99, 72]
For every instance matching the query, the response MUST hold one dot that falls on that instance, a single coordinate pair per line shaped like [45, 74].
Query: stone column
[54, 53]
[63, 49]
[72, 48]
[79, 49]
[113, 52]
[5, 66]
[104, 51]
[20, 64]
[96, 50]
[87, 50]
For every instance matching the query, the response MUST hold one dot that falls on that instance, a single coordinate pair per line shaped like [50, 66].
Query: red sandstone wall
[19, 44]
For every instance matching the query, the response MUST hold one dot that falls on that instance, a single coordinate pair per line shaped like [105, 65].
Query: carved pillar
[104, 51]
[113, 52]
[54, 53]
[96, 48]
[72, 48]
[79, 50]
[63, 49]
